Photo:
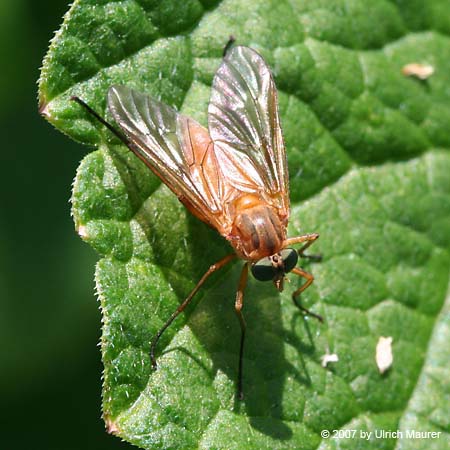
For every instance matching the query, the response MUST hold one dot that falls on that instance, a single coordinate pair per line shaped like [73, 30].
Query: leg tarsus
[214, 268]
[238, 305]
[301, 251]
[316, 257]
[306, 311]
[228, 45]
[309, 279]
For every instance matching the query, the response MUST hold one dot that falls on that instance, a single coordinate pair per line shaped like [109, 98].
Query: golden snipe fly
[232, 176]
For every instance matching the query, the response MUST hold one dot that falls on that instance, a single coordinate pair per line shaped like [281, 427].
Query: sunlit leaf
[369, 170]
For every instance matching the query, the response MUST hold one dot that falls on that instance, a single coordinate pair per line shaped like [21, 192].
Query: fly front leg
[238, 305]
[309, 279]
[214, 268]
[308, 240]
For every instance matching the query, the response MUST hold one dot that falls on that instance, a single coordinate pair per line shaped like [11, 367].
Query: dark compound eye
[290, 259]
[269, 268]
[263, 270]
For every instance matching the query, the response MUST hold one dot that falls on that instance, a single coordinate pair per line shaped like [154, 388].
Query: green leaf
[369, 170]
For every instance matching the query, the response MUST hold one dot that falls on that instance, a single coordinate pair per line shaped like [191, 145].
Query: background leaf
[49, 320]
[369, 165]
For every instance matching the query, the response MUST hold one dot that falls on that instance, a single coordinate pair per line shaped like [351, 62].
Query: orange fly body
[232, 176]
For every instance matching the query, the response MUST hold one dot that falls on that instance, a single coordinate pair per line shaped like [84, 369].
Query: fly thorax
[257, 230]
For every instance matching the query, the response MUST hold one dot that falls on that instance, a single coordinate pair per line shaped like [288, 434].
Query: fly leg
[238, 305]
[228, 45]
[309, 279]
[316, 257]
[308, 240]
[214, 268]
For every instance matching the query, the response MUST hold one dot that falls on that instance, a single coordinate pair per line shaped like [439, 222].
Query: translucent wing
[175, 148]
[245, 126]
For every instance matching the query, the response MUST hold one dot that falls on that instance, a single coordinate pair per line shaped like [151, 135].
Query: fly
[233, 176]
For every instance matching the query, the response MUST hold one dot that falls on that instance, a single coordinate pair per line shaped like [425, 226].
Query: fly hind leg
[228, 45]
[238, 305]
